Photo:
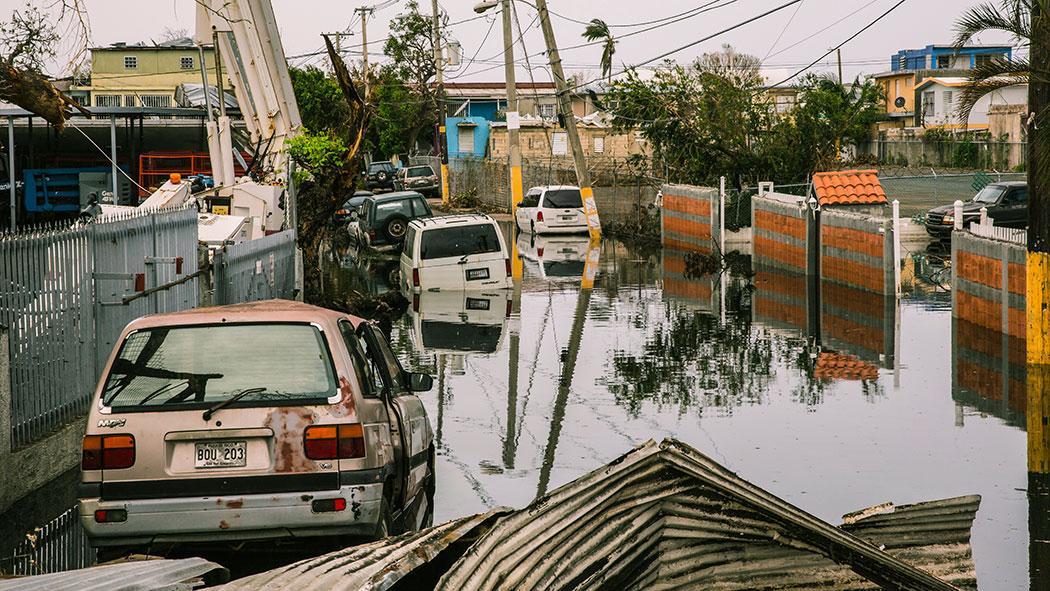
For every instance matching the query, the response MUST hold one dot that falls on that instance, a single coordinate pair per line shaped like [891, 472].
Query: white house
[939, 100]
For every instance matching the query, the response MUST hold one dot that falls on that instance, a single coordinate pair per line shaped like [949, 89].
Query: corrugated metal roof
[372, 567]
[664, 516]
[145, 575]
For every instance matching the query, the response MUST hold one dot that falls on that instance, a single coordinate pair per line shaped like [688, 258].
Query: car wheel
[394, 278]
[395, 228]
[382, 176]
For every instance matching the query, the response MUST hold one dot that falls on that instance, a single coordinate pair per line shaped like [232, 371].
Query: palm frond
[1012, 17]
[989, 78]
[598, 29]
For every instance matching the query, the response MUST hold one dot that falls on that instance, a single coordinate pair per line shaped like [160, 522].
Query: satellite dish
[898, 102]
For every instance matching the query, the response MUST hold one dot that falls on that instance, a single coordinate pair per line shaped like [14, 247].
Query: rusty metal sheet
[371, 567]
[663, 516]
[145, 575]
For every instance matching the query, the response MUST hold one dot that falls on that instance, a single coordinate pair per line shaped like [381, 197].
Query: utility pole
[583, 176]
[838, 53]
[1038, 301]
[838, 148]
[513, 119]
[364, 10]
[439, 65]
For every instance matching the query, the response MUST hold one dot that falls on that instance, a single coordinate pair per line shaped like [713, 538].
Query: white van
[551, 209]
[459, 321]
[454, 252]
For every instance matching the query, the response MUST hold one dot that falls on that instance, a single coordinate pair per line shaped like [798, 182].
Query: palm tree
[599, 31]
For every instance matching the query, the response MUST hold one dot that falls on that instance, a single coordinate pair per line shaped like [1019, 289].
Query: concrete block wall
[857, 292]
[781, 233]
[781, 297]
[688, 220]
[989, 325]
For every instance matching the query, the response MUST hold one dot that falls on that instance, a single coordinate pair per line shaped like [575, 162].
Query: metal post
[439, 66]
[721, 216]
[364, 47]
[958, 215]
[897, 247]
[113, 153]
[11, 169]
[513, 121]
[583, 176]
[204, 80]
[218, 74]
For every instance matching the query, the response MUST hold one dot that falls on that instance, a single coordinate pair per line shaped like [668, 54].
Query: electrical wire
[784, 30]
[88, 138]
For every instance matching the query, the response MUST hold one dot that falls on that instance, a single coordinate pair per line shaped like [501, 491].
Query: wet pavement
[536, 386]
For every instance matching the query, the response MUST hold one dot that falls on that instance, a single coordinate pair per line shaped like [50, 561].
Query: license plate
[221, 454]
[566, 218]
[473, 274]
[477, 304]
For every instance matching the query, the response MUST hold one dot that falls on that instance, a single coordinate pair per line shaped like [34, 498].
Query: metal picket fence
[66, 293]
[58, 545]
[258, 270]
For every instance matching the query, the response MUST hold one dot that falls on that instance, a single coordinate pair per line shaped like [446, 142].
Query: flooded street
[518, 412]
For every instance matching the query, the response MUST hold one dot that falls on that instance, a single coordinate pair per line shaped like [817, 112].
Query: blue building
[944, 57]
[466, 137]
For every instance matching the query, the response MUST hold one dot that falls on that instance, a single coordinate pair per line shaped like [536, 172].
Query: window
[559, 143]
[419, 206]
[927, 104]
[599, 144]
[129, 100]
[545, 111]
[107, 100]
[156, 100]
[902, 63]
[396, 207]
[785, 103]
[131, 62]
[458, 241]
[907, 81]
[983, 59]
[466, 139]
[366, 375]
[186, 62]
[418, 171]
[530, 200]
[896, 88]
[168, 367]
[563, 198]
[947, 98]
[944, 61]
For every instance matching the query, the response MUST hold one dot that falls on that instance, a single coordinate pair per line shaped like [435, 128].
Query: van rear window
[171, 368]
[458, 241]
[563, 198]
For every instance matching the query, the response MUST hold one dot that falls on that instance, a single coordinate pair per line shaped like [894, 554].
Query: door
[526, 211]
[1013, 208]
[409, 428]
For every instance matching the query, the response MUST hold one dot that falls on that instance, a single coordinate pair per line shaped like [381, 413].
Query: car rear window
[423, 171]
[563, 198]
[396, 207]
[170, 368]
[457, 241]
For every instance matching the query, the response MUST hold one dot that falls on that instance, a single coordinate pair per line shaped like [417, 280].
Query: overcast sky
[786, 40]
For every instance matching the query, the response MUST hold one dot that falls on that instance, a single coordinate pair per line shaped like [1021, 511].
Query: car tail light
[539, 216]
[334, 442]
[415, 277]
[507, 261]
[539, 252]
[107, 452]
[342, 212]
[415, 302]
[111, 515]
[510, 307]
[372, 234]
[327, 505]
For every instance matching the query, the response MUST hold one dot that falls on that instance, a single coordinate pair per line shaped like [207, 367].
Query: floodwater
[538, 385]
[570, 378]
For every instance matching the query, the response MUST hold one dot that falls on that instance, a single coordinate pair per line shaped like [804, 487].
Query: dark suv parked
[380, 175]
[383, 219]
[1007, 204]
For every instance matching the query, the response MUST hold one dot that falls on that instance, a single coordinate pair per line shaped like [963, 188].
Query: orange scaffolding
[155, 168]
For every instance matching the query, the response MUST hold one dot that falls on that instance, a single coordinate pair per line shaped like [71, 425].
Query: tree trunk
[1038, 300]
[36, 94]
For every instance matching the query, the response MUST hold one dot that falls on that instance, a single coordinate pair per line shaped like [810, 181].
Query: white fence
[1012, 235]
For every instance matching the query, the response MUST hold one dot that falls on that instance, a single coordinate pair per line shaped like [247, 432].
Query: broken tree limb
[31, 91]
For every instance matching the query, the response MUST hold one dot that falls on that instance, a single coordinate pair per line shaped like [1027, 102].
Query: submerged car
[265, 420]
[383, 219]
[348, 211]
[459, 321]
[1007, 204]
[455, 252]
[553, 209]
[554, 257]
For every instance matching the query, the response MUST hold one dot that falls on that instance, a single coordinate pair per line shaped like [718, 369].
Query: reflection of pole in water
[509, 443]
[569, 365]
[441, 395]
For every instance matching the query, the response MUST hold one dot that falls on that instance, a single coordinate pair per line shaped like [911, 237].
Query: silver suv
[265, 420]
[418, 178]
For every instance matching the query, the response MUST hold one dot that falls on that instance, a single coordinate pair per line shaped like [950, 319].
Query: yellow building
[898, 90]
[143, 75]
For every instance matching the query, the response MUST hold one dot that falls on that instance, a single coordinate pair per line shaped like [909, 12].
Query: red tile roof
[848, 187]
[844, 367]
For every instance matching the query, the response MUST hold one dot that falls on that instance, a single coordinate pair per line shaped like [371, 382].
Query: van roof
[446, 220]
[554, 187]
[264, 311]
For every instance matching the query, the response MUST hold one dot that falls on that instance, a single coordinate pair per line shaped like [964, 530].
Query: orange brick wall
[853, 273]
[1017, 278]
[689, 289]
[790, 285]
[979, 269]
[852, 332]
[854, 300]
[853, 240]
[779, 223]
[986, 382]
[687, 227]
[701, 207]
[980, 311]
[785, 253]
[784, 312]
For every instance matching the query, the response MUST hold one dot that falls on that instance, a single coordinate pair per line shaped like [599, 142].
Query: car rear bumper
[544, 228]
[238, 517]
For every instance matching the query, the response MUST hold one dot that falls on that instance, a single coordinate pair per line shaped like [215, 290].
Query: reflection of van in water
[454, 252]
[459, 321]
[554, 257]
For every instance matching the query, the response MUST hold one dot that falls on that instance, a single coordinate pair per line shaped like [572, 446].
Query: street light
[513, 122]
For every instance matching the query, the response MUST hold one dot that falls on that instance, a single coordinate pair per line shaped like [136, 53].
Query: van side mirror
[420, 382]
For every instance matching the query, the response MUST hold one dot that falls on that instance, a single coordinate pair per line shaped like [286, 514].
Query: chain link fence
[918, 194]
